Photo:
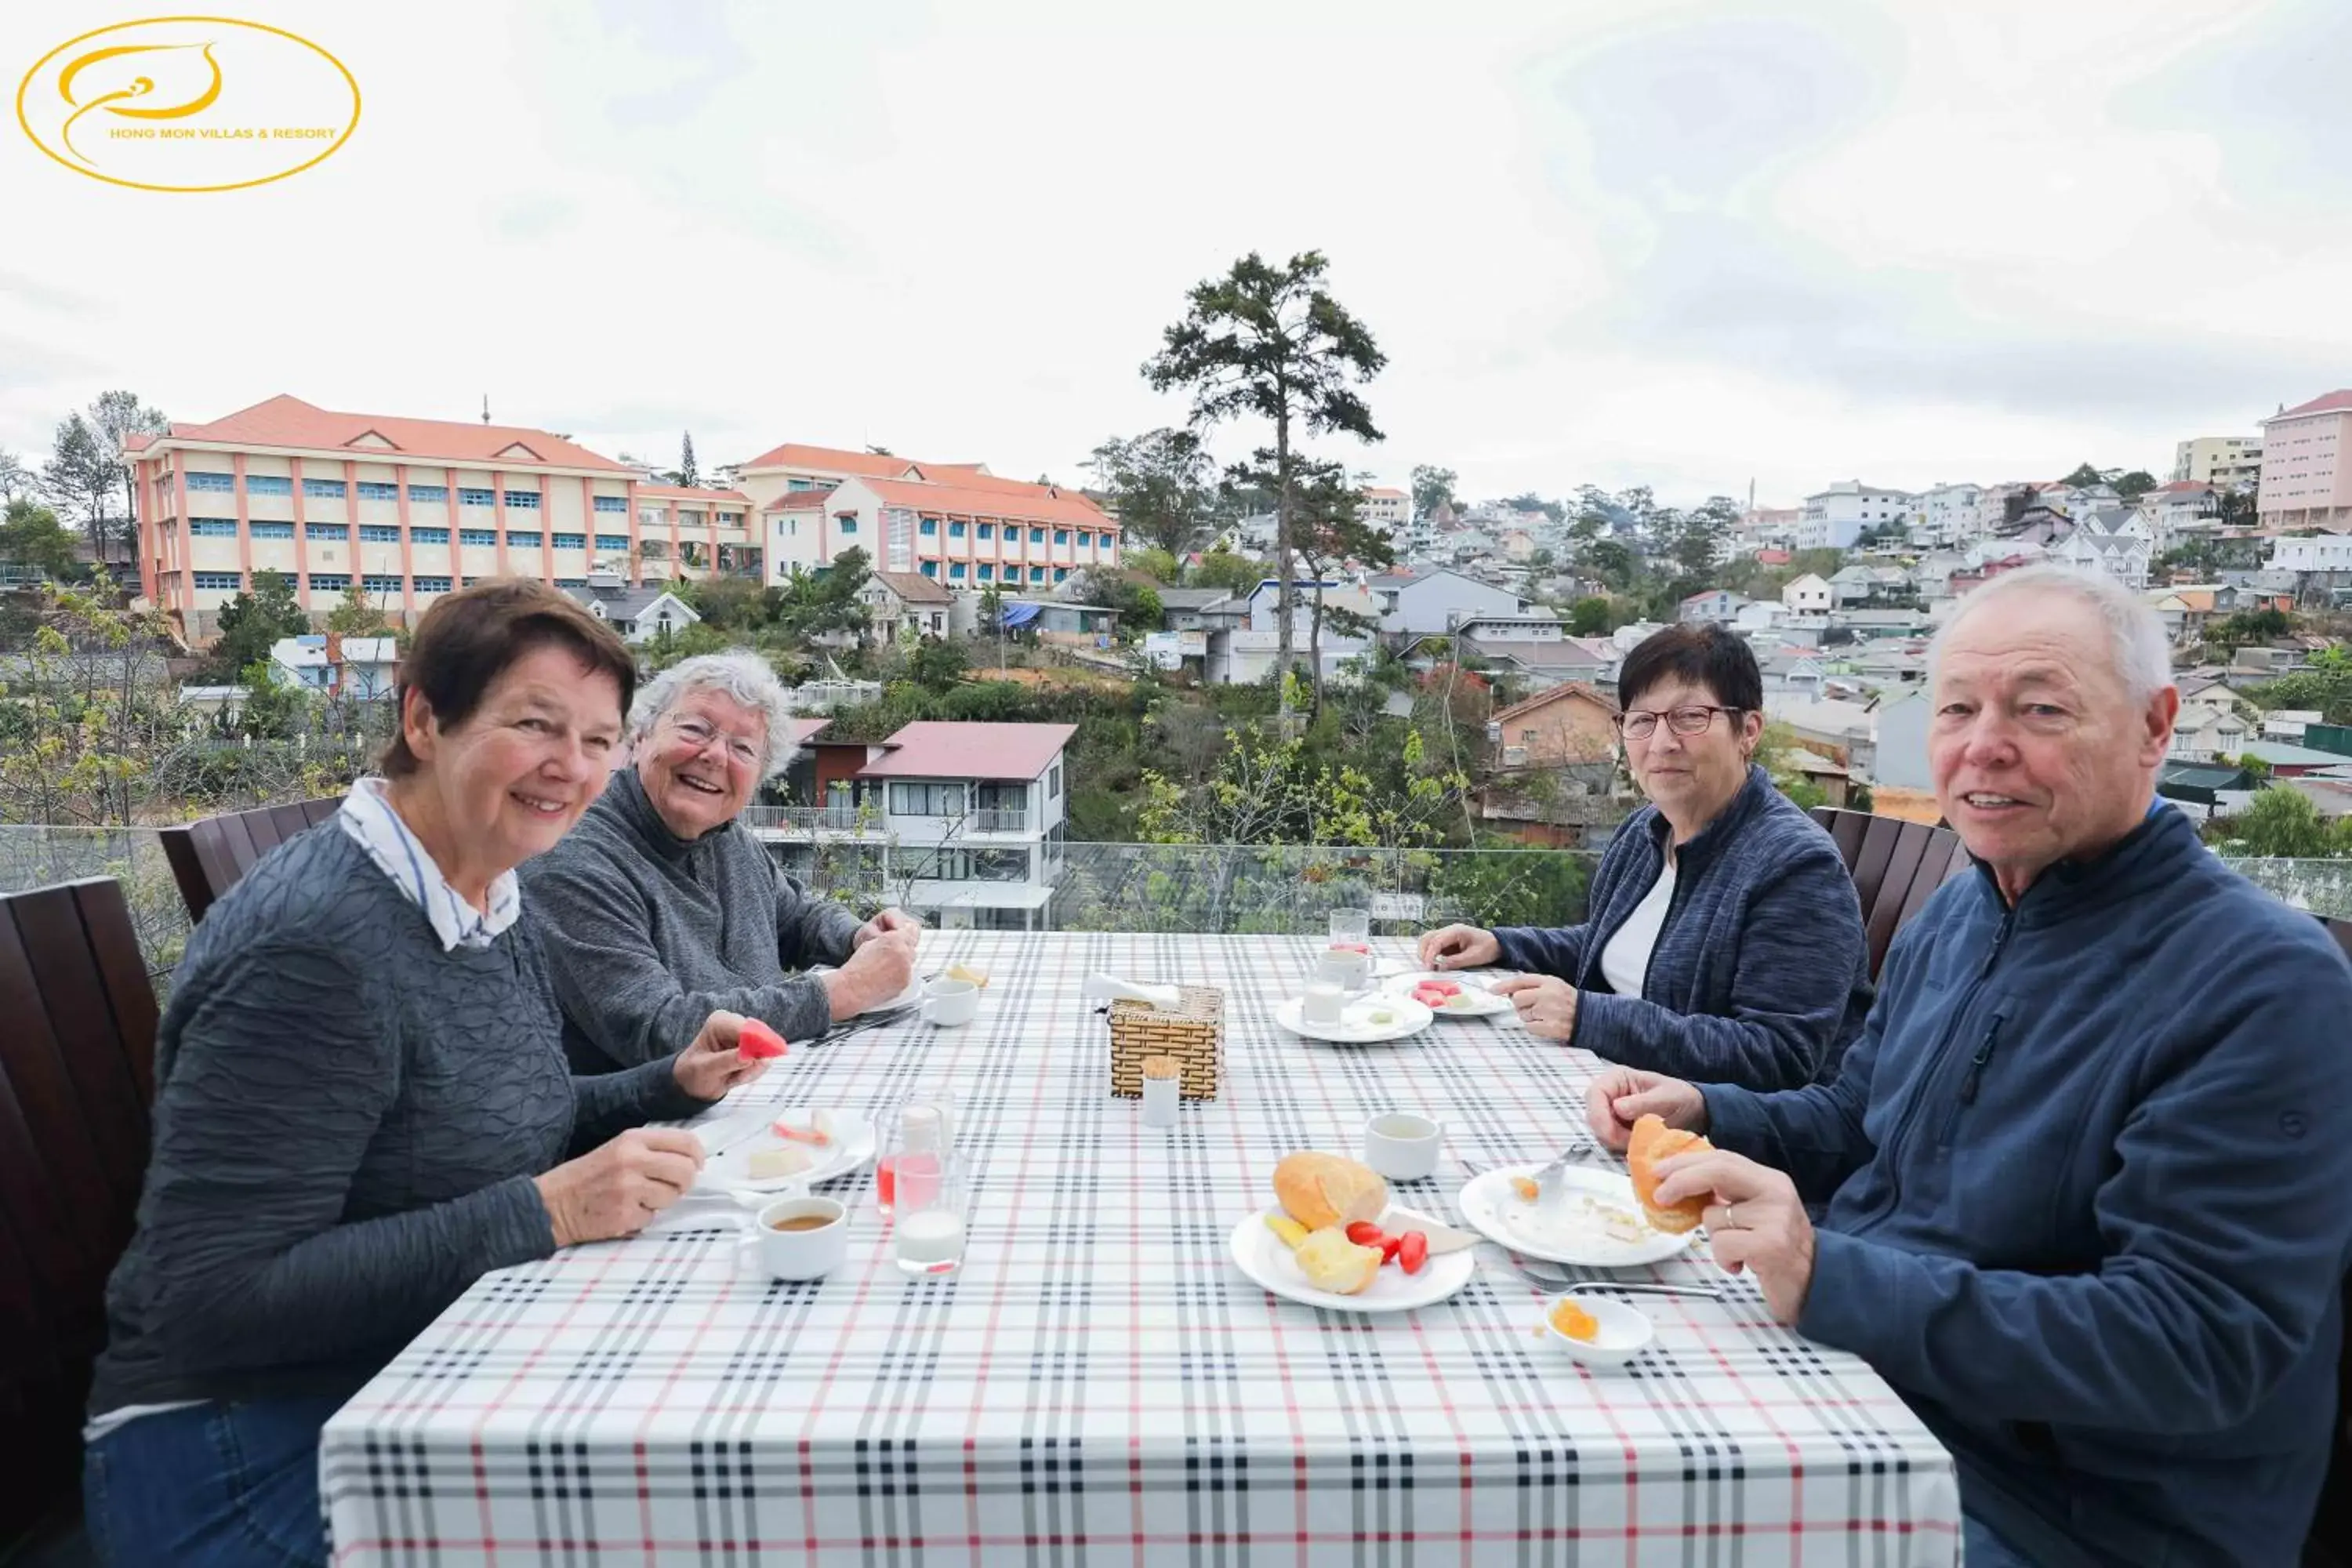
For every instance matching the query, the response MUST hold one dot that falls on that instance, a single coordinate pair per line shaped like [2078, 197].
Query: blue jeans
[1980, 1548]
[222, 1482]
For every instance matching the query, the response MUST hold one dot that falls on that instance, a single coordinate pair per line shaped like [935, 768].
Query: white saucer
[1355, 1027]
[1265, 1258]
[1498, 1213]
[1476, 1001]
[735, 1138]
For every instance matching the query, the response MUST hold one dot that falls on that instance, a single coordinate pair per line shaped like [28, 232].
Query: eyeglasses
[1641, 724]
[698, 734]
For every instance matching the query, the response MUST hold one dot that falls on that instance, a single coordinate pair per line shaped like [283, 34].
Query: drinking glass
[1352, 930]
[927, 1234]
[913, 1155]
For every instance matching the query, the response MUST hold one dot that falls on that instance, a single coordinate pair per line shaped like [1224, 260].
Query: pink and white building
[2306, 478]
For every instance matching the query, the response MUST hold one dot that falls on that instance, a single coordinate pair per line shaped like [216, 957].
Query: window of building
[376, 533]
[571, 582]
[428, 495]
[570, 541]
[213, 527]
[382, 587]
[269, 485]
[930, 528]
[516, 540]
[270, 530]
[1053, 782]
[323, 489]
[730, 520]
[340, 533]
[848, 524]
[1061, 536]
[652, 517]
[689, 520]
[987, 571]
[955, 570]
[526, 500]
[988, 531]
[207, 481]
[1036, 573]
[931, 568]
[468, 496]
[654, 549]
[428, 535]
[612, 542]
[1036, 536]
[471, 581]
[1061, 573]
[612, 503]
[926, 799]
[371, 489]
[330, 582]
[797, 485]
[484, 536]
[955, 530]
[430, 584]
[224, 581]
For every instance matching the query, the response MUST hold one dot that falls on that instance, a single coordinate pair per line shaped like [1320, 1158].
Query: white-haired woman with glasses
[660, 908]
[1723, 942]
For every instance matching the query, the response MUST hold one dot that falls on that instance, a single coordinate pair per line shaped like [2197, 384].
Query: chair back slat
[76, 1066]
[1869, 862]
[1897, 867]
[210, 857]
[1914, 842]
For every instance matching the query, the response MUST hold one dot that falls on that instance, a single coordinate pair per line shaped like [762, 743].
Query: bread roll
[1653, 1141]
[1331, 1262]
[1320, 1191]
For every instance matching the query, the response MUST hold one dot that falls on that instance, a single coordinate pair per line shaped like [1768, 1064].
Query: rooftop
[2340, 400]
[289, 423]
[1030, 503]
[827, 460]
[914, 587]
[935, 749]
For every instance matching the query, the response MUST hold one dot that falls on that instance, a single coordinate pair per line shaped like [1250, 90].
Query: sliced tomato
[1412, 1251]
[1390, 1245]
[1364, 1233]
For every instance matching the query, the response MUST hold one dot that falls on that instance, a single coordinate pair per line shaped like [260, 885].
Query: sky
[1692, 244]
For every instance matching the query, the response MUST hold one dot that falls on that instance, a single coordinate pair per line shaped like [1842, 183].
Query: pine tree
[687, 474]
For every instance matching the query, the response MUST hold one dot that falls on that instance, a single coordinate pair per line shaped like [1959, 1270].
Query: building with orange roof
[962, 534]
[2306, 480]
[1383, 506]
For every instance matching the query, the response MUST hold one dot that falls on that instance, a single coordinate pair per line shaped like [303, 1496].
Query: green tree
[1433, 487]
[1234, 573]
[81, 476]
[2281, 823]
[1140, 607]
[1778, 750]
[1331, 533]
[356, 616]
[32, 536]
[1158, 566]
[273, 710]
[1160, 483]
[1528, 500]
[2325, 687]
[2135, 484]
[729, 604]
[115, 418]
[824, 601]
[16, 480]
[2083, 475]
[90, 712]
[251, 624]
[1591, 617]
[935, 664]
[1271, 343]
[686, 473]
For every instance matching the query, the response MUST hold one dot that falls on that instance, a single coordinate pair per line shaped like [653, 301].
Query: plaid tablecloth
[1100, 1383]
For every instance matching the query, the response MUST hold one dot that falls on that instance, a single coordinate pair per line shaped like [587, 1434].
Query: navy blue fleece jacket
[2090, 1201]
[1760, 977]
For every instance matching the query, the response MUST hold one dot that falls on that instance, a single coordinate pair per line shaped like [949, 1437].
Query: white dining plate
[1475, 1002]
[1356, 1026]
[730, 1141]
[1595, 1223]
[1268, 1260]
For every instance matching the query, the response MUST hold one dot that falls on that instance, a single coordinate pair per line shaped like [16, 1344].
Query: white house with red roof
[973, 818]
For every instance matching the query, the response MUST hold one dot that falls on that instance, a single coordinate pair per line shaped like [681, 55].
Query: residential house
[1836, 517]
[2231, 462]
[973, 818]
[639, 614]
[2179, 512]
[333, 665]
[1385, 508]
[1902, 742]
[1571, 724]
[1556, 770]
[1793, 671]
[1536, 647]
[2307, 475]
[1858, 584]
[1198, 609]
[2290, 724]
[908, 602]
[1757, 616]
[1944, 515]
[2079, 502]
[1807, 595]
[1244, 652]
[2113, 540]
[1431, 603]
[1517, 544]
[2202, 734]
[2287, 760]
[1845, 731]
[1710, 604]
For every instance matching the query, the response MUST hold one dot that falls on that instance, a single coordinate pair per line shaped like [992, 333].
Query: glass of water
[1352, 930]
[927, 1233]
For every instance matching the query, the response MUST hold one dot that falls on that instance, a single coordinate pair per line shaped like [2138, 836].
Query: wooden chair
[208, 856]
[1897, 866]
[77, 1078]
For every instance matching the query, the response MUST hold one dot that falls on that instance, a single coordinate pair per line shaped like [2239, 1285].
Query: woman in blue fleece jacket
[1725, 942]
[2086, 1168]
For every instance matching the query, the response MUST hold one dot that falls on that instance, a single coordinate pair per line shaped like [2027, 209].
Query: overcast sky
[1614, 241]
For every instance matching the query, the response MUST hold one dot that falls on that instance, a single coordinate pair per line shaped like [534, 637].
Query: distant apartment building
[1945, 515]
[1836, 517]
[1384, 506]
[974, 818]
[2179, 511]
[2307, 481]
[408, 510]
[2234, 462]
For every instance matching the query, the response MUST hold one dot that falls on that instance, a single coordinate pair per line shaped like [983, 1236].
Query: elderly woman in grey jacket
[663, 908]
[362, 1100]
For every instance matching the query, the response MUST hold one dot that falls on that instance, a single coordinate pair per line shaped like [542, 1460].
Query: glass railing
[1211, 890]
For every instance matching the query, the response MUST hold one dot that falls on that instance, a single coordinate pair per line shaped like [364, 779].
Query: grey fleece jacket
[347, 1122]
[647, 934]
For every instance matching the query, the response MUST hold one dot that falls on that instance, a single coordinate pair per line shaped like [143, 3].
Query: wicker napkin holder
[1194, 1033]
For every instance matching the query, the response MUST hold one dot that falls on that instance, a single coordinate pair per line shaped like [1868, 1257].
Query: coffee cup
[803, 1238]
[1402, 1146]
[1347, 968]
[950, 1003]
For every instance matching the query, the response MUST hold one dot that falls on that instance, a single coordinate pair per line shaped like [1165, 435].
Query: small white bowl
[1623, 1332]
